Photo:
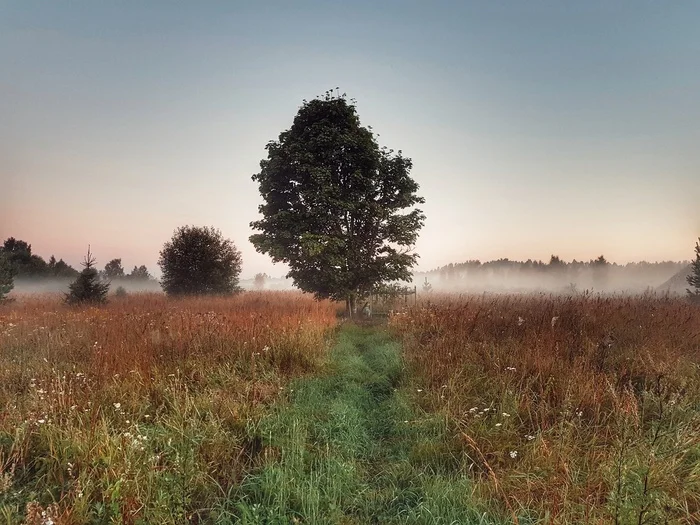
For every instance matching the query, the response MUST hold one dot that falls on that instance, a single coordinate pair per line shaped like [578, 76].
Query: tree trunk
[350, 305]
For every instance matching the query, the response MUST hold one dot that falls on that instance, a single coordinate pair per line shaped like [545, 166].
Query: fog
[517, 277]
[470, 277]
[43, 285]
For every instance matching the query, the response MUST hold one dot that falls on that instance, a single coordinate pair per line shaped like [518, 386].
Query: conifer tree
[694, 276]
[88, 288]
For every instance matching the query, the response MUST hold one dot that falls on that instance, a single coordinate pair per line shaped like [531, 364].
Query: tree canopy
[199, 260]
[139, 273]
[25, 264]
[338, 209]
[114, 269]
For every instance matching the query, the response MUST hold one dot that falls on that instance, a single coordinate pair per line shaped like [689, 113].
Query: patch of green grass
[350, 449]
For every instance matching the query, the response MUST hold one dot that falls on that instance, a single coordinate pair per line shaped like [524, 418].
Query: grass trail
[349, 449]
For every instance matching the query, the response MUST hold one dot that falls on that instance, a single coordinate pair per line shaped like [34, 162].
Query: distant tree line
[598, 273]
[23, 264]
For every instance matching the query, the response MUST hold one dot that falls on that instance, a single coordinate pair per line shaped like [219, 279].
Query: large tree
[338, 209]
[199, 260]
[694, 276]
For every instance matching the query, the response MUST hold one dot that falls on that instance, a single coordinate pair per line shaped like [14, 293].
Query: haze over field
[535, 129]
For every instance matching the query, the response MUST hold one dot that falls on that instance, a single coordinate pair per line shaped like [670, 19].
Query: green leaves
[332, 203]
[198, 260]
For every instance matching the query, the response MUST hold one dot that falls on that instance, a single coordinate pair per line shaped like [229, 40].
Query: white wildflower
[513, 454]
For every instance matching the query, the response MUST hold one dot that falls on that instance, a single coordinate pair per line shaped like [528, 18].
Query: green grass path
[350, 449]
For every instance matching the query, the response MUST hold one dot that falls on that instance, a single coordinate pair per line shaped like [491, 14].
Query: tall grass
[571, 410]
[138, 412]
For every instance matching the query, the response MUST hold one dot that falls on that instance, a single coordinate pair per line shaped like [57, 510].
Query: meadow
[261, 408]
[143, 411]
[577, 409]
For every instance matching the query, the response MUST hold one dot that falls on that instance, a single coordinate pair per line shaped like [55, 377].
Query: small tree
[694, 276]
[259, 281]
[114, 269]
[7, 275]
[88, 288]
[199, 260]
[427, 287]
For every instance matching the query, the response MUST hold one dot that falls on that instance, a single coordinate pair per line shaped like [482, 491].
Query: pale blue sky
[534, 127]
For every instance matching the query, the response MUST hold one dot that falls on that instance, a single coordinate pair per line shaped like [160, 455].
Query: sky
[535, 128]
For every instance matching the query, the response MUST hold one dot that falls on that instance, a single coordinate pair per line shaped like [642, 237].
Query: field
[144, 410]
[570, 410]
[262, 408]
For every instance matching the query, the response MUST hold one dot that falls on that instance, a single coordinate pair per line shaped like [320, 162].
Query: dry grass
[571, 410]
[140, 411]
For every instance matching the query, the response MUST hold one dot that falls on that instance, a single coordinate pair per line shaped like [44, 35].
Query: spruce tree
[88, 288]
[694, 276]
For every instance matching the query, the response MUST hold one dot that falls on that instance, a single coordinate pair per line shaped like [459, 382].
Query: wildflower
[117, 405]
[529, 437]
[499, 424]
[419, 390]
[41, 421]
[505, 414]
[520, 321]
[554, 320]
[510, 368]
[513, 454]
[579, 413]
[472, 410]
